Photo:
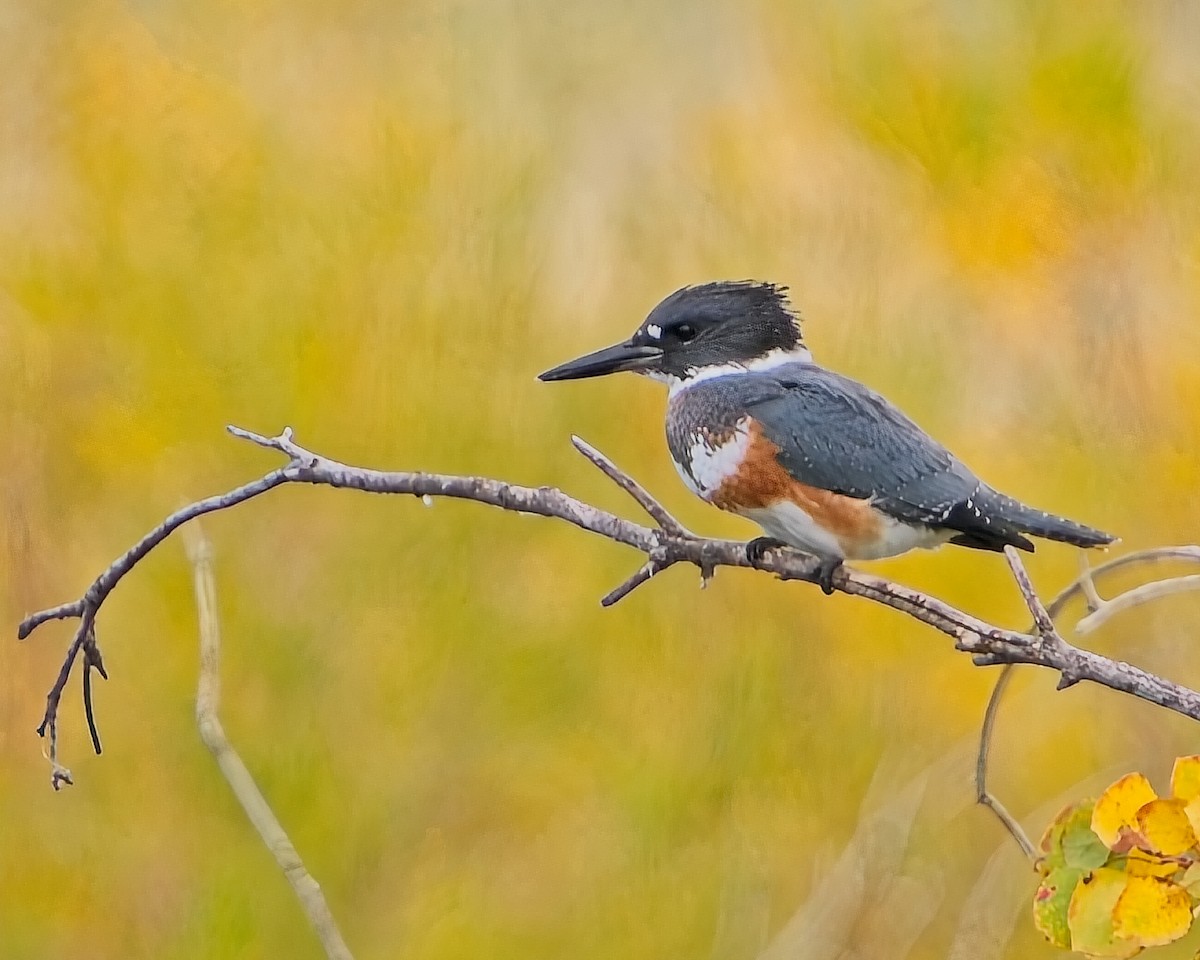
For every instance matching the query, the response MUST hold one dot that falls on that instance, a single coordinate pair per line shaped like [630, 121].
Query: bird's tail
[1008, 512]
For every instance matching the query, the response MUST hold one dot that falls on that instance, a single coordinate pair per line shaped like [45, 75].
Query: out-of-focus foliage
[376, 222]
[1122, 873]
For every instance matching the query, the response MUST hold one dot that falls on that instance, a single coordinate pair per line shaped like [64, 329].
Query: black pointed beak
[622, 356]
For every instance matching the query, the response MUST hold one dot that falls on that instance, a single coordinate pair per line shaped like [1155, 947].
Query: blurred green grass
[376, 223]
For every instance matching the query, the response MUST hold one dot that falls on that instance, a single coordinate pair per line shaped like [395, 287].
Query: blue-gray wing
[835, 434]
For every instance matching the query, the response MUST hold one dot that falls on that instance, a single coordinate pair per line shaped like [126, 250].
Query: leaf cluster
[1122, 872]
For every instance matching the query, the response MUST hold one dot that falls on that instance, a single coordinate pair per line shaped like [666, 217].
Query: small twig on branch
[1041, 619]
[208, 700]
[651, 568]
[1087, 584]
[658, 561]
[1136, 597]
[667, 544]
[658, 513]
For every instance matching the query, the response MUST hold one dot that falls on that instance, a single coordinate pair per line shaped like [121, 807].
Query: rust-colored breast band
[761, 481]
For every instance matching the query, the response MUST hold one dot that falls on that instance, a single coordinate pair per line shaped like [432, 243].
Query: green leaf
[1090, 915]
[1191, 880]
[1051, 902]
[1071, 820]
[1080, 846]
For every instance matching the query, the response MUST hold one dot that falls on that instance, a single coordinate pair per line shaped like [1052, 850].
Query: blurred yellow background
[377, 222]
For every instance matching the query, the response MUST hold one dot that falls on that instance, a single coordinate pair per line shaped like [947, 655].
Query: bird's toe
[825, 571]
[757, 548]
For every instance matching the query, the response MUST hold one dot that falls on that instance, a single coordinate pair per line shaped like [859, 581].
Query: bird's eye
[685, 332]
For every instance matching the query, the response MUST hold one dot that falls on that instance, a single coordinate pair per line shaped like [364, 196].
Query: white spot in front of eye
[654, 330]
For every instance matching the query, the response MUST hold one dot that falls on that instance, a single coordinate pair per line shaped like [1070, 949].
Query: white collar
[773, 358]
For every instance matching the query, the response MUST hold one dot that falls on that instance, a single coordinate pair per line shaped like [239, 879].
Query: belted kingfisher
[819, 461]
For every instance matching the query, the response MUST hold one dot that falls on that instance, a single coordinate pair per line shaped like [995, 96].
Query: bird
[819, 461]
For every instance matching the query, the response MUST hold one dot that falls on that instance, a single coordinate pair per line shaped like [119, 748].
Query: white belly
[790, 523]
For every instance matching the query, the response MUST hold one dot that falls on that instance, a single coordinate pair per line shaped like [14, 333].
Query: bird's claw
[825, 571]
[757, 548]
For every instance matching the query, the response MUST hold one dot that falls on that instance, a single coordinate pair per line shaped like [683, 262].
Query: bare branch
[208, 699]
[102, 586]
[662, 547]
[1099, 610]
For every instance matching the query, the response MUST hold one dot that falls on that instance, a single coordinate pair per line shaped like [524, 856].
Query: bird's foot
[825, 571]
[757, 548]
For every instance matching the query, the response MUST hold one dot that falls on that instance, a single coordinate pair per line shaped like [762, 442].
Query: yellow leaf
[1142, 864]
[1090, 915]
[1151, 911]
[1185, 778]
[1192, 809]
[1118, 806]
[1165, 828]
